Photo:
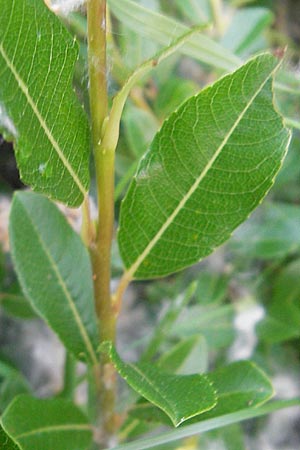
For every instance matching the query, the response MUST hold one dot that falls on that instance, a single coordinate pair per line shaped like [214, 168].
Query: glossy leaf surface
[208, 167]
[179, 396]
[54, 271]
[46, 424]
[37, 104]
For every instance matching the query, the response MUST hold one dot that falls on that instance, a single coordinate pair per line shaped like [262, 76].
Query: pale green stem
[101, 247]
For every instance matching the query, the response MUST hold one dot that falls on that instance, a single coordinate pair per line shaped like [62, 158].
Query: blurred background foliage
[244, 300]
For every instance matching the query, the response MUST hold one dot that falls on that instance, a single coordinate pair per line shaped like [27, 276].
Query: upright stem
[96, 17]
[101, 247]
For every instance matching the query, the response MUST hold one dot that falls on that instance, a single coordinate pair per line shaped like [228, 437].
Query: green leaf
[207, 425]
[238, 386]
[212, 288]
[37, 103]
[140, 127]
[208, 167]
[172, 93]
[54, 271]
[196, 11]
[46, 424]
[6, 443]
[162, 329]
[16, 305]
[163, 29]
[275, 233]
[214, 323]
[179, 396]
[12, 383]
[187, 357]
[246, 28]
[233, 437]
[283, 319]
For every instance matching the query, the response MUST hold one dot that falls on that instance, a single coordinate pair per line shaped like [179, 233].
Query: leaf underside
[54, 271]
[38, 107]
[208, 167]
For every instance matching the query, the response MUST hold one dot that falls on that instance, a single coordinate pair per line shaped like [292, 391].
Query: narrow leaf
[37, 104]
[187, 357]
[46, 424]
[246, 28]
[54, 271]
[179, 396]
[208, 167]
[196, 11]
[163, 29]
[207, 425]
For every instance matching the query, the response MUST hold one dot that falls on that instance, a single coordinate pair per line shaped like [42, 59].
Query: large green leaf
[46, 424]
[54, 270]
[37, 104]
[179, 396]
[208, 167]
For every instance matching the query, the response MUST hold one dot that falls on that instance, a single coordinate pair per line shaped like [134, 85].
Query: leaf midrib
[134, 267]
[165, 405]
[61, 282]
[53, 428]
[22, 85]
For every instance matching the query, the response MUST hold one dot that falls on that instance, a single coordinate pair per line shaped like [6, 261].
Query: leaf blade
[47, 424]
[208, 425]
[179, 206]
[162, 29]
[63, 292]
[173, 394]
[37, 100]
[6, 443]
